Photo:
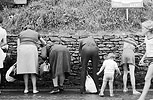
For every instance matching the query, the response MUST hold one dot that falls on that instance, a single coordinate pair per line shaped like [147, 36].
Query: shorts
[128, 57]
[108, 77]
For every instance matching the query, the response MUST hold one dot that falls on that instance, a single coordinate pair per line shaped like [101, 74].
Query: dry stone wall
[106, 44]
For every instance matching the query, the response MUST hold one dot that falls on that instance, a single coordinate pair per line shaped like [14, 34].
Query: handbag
[14, 73]
[7, 76]
[45, 67]
[90, 84]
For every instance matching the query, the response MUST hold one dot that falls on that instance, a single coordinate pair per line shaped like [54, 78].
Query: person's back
[59, 47]
[89, 42]
[59, 60]
[128, 46]
[29, 36]
[88, 51]
[110, 66]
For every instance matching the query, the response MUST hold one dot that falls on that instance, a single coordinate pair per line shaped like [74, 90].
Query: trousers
[89, 53]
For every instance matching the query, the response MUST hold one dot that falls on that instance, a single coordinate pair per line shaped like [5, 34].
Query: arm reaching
[118, 71]
[80, 46]
[142, 60]
[140, 45]
[101, 69]
[42, 41]
[18, 42]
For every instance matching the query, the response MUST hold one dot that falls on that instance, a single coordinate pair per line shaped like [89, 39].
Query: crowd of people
[59, 59]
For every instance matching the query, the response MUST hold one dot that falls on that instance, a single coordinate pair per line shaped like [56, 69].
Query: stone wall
[106, 44]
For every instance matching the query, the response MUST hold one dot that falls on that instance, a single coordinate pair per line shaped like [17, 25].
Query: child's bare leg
[111, 88]
[125, 89]
[103, 88]
[132, 78]
[148, 78]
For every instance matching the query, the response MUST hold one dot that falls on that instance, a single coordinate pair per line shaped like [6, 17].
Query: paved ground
[68, 94]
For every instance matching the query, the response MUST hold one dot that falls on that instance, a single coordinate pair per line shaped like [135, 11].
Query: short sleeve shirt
[29, 35]
[110, 66]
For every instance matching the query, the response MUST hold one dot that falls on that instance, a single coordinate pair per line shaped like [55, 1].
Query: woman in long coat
[59, 59]
[27, 56]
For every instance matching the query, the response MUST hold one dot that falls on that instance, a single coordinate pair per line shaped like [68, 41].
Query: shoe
[26, 91]
[61, 88]
[55, 90]
[101, 94]
[136, 92]
[82, 92]
[111, 95]
[141, 98]
[35, 91]
[125, 90]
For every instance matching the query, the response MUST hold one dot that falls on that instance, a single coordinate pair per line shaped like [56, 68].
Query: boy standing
[109, 66]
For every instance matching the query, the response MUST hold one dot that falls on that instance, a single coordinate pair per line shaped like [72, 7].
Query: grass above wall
[73, 16]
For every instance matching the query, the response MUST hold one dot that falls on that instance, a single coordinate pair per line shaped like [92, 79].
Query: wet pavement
[68, 94]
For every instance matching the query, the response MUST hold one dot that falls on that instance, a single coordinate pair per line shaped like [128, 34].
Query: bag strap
[87, 71]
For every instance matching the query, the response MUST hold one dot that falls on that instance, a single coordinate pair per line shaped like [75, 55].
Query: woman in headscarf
[3, 45]
[89, 51]
[59, 60]
[27, 56]
[147, 30]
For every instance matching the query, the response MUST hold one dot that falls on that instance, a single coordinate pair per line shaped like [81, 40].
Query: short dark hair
[1, 19]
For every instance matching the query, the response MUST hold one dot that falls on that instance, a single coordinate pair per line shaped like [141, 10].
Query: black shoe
[82, 90]
[55, 90]
[61, 88]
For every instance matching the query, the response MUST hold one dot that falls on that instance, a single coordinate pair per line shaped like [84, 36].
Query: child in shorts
[109, 66]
